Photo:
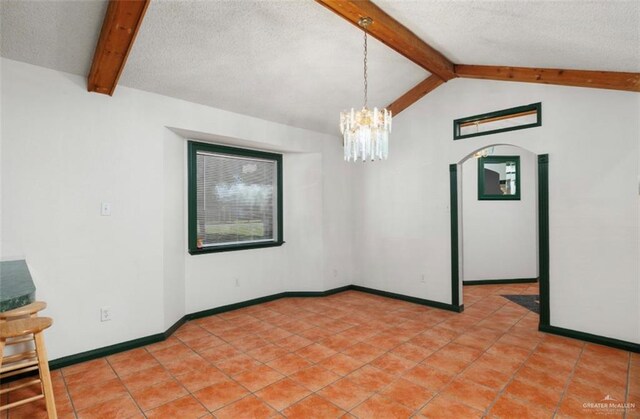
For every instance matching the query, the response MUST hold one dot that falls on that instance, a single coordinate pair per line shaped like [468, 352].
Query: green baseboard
[266, 299]
[175, 327]
[588, 337]
[234, 306]
[159, 337]
[415, 300]
[501, 281]
[318, 293]
[105, 351]
[136, 343]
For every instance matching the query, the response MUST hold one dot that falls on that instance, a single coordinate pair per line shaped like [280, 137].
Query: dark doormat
[530, 302]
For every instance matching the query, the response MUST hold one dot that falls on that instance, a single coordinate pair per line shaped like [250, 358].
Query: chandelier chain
[365, 131]
[365, 68]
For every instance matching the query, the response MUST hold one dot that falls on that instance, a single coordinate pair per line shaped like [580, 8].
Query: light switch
[105, 209]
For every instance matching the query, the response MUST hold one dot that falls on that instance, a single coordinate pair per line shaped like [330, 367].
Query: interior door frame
[543, 237]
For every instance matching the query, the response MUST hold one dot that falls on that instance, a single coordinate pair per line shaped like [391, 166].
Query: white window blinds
[236, 200]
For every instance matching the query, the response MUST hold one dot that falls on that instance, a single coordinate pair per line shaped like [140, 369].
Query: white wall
[296, 266]
[175, 214]
[339, 264]
[499, 238]
[1, 131]
[65, 151]
[592, 138]
[381, 225]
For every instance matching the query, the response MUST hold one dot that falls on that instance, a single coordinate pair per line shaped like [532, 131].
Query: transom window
[235, 198]
[512, 119]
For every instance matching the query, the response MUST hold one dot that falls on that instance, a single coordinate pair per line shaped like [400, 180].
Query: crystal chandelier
[365, 132]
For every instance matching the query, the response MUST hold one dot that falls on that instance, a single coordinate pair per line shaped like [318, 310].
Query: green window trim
[497, 159]
[534, 107]
[193, 148]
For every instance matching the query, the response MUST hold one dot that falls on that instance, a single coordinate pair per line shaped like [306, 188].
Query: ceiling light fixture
[365, 132]
[483, 153]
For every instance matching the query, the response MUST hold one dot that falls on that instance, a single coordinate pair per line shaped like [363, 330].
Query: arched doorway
[457, 255]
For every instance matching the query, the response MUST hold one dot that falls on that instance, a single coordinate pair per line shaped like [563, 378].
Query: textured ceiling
[287, 61]
[571, 34]
[295, 62]
[55, 34]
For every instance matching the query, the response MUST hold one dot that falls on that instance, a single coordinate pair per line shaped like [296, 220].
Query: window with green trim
[235, 198]
[520, 117]
[499, 178]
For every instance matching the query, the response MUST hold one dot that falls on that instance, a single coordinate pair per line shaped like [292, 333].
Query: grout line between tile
[626, 396]
[66, 389]
[336, 314]
[126, 388]
[569, 380]
[513, 374]
[493, 342]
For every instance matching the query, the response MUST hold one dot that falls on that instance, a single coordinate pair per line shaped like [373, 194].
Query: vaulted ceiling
[295, 62]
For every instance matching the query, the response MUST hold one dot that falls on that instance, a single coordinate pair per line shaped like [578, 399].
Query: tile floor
[354, 355]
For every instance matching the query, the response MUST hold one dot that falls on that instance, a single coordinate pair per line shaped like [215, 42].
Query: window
[512, 119]
[499, 178]
[235, 198]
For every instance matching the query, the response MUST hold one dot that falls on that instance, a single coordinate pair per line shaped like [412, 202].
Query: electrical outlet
[423, 280]
[237, 282]
[105, 314]
[335, 273]
[105, 209]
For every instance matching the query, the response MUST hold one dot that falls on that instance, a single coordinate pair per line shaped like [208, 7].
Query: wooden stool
[11, 332]
[30, 310]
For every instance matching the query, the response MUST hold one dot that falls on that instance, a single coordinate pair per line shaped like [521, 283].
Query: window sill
[218, 249]
[499, 198]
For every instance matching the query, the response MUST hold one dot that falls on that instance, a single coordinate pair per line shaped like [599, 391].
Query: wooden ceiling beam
[119, 30]
[393, 34]
[416, 93]
[578, 78]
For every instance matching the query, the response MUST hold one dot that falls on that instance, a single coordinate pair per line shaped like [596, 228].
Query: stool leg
[1, 358]
[45, 376]
[1, 351]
